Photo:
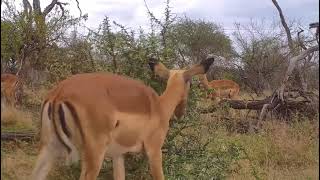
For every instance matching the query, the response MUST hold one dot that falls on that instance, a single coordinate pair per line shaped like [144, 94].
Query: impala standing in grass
[221, 88]
[98, 114]
[9, 89]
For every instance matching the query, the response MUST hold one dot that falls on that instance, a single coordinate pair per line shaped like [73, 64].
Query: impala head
[179, 80]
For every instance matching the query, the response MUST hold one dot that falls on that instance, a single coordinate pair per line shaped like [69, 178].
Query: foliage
[10, 43]
[194, 148]
[27, 33]
[195, 39]
[203, 147]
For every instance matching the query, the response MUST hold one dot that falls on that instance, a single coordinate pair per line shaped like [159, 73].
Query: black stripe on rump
[56, 131]
[49, 111]
[41, 117]
[41, 112]
[63, 121]
[75, 117]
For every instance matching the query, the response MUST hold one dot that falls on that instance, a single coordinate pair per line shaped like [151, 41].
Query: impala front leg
[153, 150]
[118, 168]
[155, 162]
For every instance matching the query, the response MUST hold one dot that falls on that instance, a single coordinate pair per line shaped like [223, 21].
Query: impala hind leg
[47, 157]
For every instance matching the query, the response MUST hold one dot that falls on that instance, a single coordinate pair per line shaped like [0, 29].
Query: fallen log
[244, 104]
[305, 103]
[22, 136]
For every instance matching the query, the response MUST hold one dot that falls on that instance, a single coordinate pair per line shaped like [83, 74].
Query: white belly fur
[127, 122]
[115, 149]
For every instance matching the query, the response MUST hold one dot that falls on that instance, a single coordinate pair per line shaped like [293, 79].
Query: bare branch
[315, 25]
[78, 5]
[11, 10]
[49, 7]
[27, 7]
[292, 64]
[300, 40]
[152, 15]
[61, 7]
[264, 111]
[36, 6]
[285, 26]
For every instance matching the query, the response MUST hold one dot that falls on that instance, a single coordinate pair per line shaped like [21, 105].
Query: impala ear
[158, 68]
[200, 68]
[180, 109]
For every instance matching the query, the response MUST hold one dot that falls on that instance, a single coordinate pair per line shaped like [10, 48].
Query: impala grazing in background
[9, 88]
[222, 88]
[103, 114]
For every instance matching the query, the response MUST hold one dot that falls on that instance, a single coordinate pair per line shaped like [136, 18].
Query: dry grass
[12, 118]
[252, 96]
[308, 173]
[16, 162]
[36, 96]
[277, 151]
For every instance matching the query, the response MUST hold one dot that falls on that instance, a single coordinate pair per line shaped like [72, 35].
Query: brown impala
[102, 114]
[222, 88]
[9, 88]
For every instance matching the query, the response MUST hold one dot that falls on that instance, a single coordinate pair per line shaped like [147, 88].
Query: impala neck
[170, 99]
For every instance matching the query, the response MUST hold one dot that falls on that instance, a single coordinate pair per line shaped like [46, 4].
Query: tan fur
[115, 114]
[162, 71]
[8, 88]
[222, 88]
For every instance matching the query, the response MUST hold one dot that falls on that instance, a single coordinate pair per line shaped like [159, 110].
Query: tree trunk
[115, 65]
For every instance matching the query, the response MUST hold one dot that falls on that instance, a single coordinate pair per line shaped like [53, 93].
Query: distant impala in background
[222, 88]
[9, 88]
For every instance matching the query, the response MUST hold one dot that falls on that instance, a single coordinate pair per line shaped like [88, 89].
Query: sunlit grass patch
[13, 119]
[16, 162]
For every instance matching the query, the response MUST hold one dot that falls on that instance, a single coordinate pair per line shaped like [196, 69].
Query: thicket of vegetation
[45, 46]
[49, 42]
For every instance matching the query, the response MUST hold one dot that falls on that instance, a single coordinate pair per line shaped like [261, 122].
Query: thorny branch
[151, 15]
[78, 5]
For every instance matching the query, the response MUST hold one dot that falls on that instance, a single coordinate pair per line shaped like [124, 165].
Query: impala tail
[56, 127]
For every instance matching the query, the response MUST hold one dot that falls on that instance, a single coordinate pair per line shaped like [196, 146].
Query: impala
[222, 88]
[98, 115]
[9, 88]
